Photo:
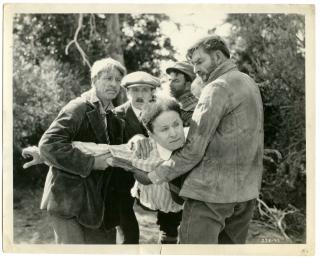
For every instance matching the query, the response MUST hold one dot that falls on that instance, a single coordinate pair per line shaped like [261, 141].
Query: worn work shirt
[224, 147]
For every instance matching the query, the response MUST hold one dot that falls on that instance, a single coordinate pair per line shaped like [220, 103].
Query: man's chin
[138, 105]
[176, 145]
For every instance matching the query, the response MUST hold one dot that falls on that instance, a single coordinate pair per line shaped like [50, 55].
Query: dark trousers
[169, 222]
[128, 230]
[215, 223]
[69, 231]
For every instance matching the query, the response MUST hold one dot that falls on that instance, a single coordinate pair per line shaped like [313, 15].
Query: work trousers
[70, 231]
[215, 223]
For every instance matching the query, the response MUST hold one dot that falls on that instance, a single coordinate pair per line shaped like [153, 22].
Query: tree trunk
[114, 46]
[114, 49]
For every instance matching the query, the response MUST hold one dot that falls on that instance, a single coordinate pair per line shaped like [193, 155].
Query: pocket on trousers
[66, 195]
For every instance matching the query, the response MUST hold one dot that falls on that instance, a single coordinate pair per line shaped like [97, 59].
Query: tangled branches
[275, 217]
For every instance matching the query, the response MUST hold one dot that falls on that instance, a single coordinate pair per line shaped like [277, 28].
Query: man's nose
[196, 69]
[139, 94]
[172, 132]
[114, 83]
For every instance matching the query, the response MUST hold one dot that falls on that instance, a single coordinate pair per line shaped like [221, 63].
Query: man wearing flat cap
[140, 88]
[181, 76]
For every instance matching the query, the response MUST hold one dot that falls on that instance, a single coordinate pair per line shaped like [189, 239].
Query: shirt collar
[94, 99]
[136, 111]
[226, 66]
[164, 153]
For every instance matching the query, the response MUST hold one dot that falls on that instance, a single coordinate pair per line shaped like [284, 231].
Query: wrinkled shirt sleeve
[209, 111]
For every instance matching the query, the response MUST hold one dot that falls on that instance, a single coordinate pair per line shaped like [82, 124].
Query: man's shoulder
[78, 105]
[122, 109]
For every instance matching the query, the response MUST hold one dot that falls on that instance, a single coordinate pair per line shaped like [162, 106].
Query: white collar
[136, 111]
[164, 153]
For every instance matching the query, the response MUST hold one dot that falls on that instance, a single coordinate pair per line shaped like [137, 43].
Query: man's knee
[66, 231]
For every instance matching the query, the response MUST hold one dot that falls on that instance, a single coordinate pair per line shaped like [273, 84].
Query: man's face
[168, 130]
[107, 85]
[140, 95]
[177, 84]
[203, 63]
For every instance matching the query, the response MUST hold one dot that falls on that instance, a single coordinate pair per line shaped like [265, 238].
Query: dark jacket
[72, 188]
[132, 127]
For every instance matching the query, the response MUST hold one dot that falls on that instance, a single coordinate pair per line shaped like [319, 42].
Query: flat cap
[182, 67]
[140, 79]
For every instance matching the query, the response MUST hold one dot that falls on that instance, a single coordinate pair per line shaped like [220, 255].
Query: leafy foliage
[270, 48]
[143, 32]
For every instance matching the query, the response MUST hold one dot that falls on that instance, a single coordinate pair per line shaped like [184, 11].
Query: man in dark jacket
[140, 91]
[79, 192]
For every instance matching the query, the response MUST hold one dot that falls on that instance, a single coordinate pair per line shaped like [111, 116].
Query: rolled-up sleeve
[56, 143]
[208, 113]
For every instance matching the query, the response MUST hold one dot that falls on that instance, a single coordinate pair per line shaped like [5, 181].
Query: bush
[39, 92]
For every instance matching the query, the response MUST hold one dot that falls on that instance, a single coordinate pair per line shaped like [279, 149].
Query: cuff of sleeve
[155, 179]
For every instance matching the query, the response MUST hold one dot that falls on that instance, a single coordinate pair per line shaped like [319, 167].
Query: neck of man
[186, 90]
[105, 103]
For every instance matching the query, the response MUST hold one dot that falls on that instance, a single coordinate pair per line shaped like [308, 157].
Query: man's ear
[220, 57]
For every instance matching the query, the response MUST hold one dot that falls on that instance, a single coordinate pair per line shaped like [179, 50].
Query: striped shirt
[154, 196]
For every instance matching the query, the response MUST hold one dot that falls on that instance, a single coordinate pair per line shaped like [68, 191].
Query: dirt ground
[31, 225]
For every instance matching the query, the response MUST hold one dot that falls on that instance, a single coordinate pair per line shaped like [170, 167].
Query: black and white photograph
[178, 127]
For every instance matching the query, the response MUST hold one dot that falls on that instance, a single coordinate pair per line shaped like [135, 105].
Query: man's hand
[100, 162]
[141, 146]
[32, 152]
[142, 177]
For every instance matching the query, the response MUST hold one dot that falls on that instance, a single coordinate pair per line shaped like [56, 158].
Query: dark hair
[186, 76]
[153, 109]
[208, 44]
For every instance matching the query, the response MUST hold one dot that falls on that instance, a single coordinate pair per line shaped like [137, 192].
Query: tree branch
[75, 41]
